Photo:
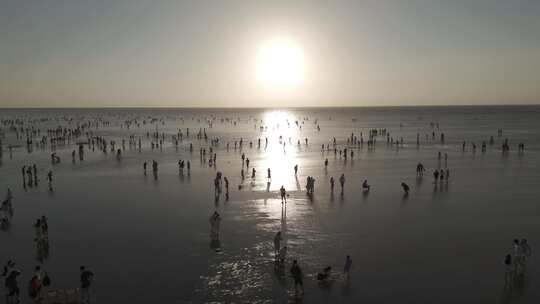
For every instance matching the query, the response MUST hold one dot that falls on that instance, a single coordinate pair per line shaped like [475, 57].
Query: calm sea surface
[147, 240]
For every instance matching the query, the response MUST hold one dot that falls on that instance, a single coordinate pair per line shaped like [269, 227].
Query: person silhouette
[405, 188]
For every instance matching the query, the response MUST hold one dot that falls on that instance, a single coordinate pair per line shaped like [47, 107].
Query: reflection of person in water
[296, 273]
[215, 221]
[509, 270]
[5, 212]
[348, 266]
[277, 243]
[282, 254]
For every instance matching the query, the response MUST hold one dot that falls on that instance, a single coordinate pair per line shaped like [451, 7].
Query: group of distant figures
[154, 168]
[30, 176]
[324, 278]
[40, 278]
[38, 284]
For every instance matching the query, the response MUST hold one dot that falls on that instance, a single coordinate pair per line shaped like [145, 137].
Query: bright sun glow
[280, 64]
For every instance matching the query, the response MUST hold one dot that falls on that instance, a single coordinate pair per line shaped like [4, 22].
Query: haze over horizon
[133, 53]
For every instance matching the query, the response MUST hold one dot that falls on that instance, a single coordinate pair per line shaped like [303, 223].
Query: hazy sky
[202, 53]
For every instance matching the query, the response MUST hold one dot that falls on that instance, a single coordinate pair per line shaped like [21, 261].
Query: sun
[280, 64]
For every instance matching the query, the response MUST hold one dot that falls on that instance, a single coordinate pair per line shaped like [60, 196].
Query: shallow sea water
[148, 240]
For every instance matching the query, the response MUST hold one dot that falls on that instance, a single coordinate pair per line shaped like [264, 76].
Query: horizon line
[262, 107]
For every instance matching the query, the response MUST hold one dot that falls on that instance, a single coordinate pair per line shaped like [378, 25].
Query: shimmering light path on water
[148, 239]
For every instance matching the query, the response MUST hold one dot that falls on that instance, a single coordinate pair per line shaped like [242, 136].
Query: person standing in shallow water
[517, 255]
[405, 188]
[366, 186]
[342, 182]
[283, 194]
[509, 270]
[87, 277]
[347, 268]
[226, 185]
[526, 251]
[12, 286]
[420, 170]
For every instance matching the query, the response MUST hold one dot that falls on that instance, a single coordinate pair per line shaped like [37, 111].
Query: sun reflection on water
[281, 153]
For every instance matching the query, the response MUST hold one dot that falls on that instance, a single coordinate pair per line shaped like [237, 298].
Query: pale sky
[95, 53]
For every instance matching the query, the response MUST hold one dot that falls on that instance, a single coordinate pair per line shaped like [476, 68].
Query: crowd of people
[39, 286]
[63, 136]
